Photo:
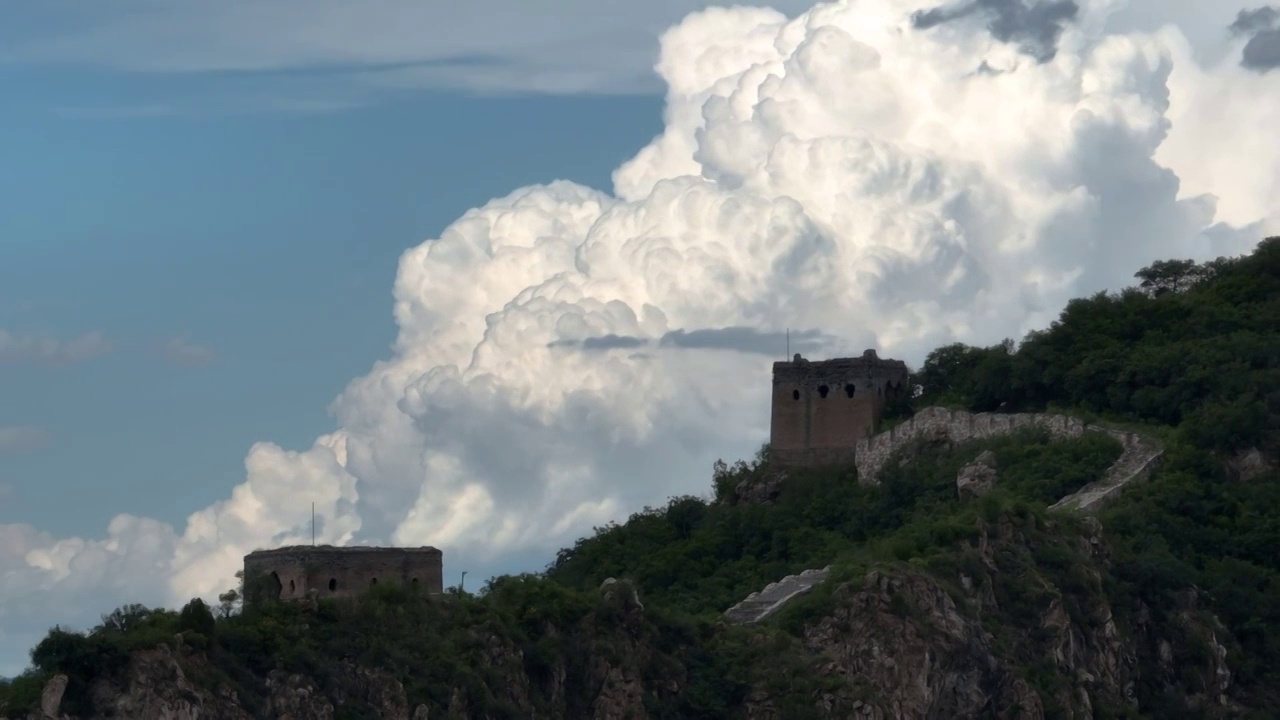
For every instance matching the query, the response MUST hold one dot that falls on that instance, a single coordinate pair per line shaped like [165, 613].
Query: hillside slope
[952, 591]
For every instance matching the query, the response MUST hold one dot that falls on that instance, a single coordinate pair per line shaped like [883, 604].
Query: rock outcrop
[762, 491]
[1250, 464]
[1007, 641]
[978, 477]
[51, 698]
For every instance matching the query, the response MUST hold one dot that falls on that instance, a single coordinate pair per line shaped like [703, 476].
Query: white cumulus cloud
[567, 355]
[21, 439]
[19, 348]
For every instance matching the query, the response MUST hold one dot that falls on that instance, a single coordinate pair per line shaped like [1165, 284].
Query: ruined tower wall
[822, 409]
[288, 573]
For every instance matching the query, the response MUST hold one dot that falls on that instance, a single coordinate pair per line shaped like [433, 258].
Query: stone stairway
[1136, 463]
[760, 605]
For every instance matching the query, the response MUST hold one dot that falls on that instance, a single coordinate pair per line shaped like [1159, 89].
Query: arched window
[414, 582]
[274, 589]
[823, 390]
[291, 586]
[333, 584]
[795, 394]
[848, 389]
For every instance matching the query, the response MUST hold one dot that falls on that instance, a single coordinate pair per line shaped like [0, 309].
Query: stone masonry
[759, 605]
[822, 409]
[1138, 460]
[290, 573]
[956, 426]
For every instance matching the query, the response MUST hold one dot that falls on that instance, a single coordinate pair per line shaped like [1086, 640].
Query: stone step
[760, 605]
[1139, 459]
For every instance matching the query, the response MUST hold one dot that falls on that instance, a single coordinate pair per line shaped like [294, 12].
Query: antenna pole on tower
[313, 523]
[788, 357]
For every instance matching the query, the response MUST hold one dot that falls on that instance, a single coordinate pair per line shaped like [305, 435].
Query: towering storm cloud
[566, 355]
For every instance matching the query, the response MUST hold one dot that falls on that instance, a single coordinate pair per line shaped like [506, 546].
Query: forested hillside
[1167, 604]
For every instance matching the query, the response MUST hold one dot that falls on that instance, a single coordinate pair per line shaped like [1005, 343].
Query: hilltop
[953, 587]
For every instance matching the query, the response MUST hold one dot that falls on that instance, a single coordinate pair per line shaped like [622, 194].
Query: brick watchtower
[822, 409]
[290, 573]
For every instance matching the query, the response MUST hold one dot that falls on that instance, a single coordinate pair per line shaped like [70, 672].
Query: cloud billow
[567, 355]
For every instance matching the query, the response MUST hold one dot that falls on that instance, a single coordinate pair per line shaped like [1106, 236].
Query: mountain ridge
[954, 588]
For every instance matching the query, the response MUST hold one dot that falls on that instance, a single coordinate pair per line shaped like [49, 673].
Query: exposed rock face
[978, 477]
[907, 646]
[51, 698]
[1249, 464]
[157, 685]
[904, 635]
[762, 491]
[297, 697]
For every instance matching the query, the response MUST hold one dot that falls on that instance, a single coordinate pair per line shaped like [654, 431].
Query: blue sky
[258, 253]
[268, 239]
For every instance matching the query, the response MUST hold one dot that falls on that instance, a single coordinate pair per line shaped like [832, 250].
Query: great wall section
[1137, 461]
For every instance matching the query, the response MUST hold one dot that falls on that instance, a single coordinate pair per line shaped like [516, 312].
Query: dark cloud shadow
[1035, 28]
[732, 339]
[1262, 26]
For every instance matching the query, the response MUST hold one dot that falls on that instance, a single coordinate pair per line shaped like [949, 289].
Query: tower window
[333, 584]
[373, 582]
[848, 389]
[795, 394]
[823, 390]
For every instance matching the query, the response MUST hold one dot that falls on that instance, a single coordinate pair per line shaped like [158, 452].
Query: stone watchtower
[289, 573]
[822, 409]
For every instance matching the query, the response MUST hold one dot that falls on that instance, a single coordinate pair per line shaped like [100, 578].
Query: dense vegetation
[1191, 355]
[1194, 353]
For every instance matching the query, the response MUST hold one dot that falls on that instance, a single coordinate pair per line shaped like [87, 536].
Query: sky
[488, 275]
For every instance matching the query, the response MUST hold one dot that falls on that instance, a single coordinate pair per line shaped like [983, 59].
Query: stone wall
[956, 426]
[288, 573]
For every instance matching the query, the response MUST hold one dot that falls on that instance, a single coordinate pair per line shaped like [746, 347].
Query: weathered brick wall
[957, 426]
[812, 457]
[821, 409]
[341, 572]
